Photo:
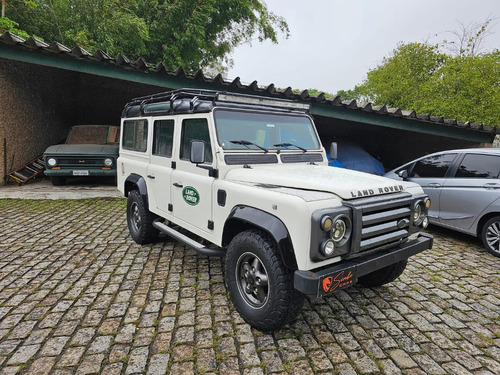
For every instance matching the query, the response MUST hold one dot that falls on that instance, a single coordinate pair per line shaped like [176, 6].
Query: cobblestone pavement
[78, 296]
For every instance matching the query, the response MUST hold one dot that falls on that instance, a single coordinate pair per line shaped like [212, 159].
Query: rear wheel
[260, 285]
[384, 275]
[140, 219]
[491, 236]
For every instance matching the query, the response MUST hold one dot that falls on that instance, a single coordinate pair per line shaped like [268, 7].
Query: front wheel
[58, 180]
[384, 275]
[140, 219]
[491, 236]
[260, 285]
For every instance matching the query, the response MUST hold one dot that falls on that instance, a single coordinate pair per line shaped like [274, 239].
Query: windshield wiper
[290, 144]
[247, 143]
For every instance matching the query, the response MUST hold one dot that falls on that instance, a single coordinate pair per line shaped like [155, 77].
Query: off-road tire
[276, 302]
[384, 275]
[140, 219]
[491, 236]
[58, 180]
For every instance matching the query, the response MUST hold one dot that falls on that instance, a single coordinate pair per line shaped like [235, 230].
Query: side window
[195, 129]
[135, 135]
[433, 166]
[163, 137]
[479, 166]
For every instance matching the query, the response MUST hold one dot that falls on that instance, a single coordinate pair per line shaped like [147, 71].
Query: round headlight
[108, 162]
[327, 247]
[339, 230]
[417, 213]
[51, 162]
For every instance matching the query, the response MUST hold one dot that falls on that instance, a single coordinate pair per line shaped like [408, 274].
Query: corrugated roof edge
[142, 65]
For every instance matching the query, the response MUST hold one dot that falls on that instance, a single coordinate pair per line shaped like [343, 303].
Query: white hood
[347, 184]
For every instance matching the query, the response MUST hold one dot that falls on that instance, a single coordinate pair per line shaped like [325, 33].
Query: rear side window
[163, 138]
[135, 135]
[433, 166]
[479, 166]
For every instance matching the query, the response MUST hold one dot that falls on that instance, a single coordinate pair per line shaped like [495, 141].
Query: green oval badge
[190, 195]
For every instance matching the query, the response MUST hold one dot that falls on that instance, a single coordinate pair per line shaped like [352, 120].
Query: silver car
[464, 188]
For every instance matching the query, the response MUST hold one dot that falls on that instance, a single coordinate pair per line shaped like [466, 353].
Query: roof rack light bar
[243, 99]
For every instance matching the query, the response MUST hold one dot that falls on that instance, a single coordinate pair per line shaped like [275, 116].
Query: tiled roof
[253, 88]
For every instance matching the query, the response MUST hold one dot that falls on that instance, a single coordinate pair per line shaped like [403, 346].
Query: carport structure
[47, 88]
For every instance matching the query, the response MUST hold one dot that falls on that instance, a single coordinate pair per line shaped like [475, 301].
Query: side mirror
[197, 152]
[333, 151]
[403, 174]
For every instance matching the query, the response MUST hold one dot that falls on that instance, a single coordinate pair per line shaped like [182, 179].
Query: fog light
[427, 203]
[327, 247]
[425, 222]
[326, 223]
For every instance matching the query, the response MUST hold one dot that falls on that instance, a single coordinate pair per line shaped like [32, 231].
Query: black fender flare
[267, 222]
[139, 182]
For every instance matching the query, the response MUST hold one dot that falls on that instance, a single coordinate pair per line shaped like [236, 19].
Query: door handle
[434, 184]
[177, 185]
[151, 176]
[491, 185]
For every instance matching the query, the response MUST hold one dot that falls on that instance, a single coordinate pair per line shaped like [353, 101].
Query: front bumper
[344, 274]
[74, 172]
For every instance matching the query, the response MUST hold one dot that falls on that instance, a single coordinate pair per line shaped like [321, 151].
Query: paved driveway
[77, 295]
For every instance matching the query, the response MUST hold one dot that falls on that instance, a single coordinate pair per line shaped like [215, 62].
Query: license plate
[80, 173]
[338, 280]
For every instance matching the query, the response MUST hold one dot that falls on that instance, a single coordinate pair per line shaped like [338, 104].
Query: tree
[350, 94]
[196, 33]
[417, 76]
[93, 24]
[189, 33]
[468, 39]
[466, 88]
[6, 24]
[398, 81]
[462, 85]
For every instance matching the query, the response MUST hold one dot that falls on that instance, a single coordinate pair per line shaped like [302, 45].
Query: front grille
[75, 162]
[380, 223]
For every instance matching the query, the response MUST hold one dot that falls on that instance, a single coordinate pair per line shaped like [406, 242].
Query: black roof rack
[198, 100]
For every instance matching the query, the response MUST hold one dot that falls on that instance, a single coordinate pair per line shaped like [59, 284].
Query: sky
[333, 43]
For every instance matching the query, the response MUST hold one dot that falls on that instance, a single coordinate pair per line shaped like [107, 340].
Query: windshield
[264, 131]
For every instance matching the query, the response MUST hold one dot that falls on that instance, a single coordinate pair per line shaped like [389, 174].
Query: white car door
[192, 187]
[160, 169]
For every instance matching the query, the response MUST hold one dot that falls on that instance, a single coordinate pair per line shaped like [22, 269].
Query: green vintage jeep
[90, 150]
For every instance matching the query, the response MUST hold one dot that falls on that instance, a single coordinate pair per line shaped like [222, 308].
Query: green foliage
[418, 76]
[353, 94]
[398, 80]
[467, 88]
[7, 24]
[190, 33]
[313, 92]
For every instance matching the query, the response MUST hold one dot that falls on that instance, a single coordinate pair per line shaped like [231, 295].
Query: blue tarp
[352, 156]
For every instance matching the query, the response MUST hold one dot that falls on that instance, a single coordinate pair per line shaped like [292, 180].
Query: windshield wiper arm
[290, 144]
[247, 143]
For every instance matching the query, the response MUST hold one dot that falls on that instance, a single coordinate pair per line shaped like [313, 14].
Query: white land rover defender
[249, 176]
